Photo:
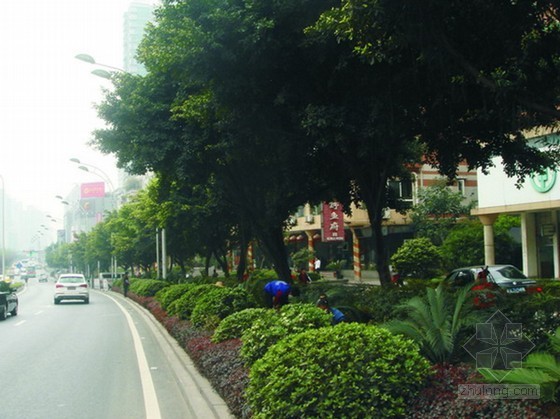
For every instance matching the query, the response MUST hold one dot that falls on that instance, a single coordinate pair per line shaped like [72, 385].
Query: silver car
[71, 287]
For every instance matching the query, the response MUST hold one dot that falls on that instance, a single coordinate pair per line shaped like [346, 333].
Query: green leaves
[350, 370]
[434, 321]
[417, 258]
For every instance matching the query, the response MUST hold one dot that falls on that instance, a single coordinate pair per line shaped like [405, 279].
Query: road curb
[197, 390]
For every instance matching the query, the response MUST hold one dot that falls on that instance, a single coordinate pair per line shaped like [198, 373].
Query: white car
[71, 287]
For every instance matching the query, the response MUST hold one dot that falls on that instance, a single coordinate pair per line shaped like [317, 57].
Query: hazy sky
[47, 96]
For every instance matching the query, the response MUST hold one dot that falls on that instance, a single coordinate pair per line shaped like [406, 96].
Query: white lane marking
[39, 312]
[151, 404]
[19, 323]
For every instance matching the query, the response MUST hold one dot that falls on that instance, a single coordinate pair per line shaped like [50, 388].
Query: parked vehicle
[8, 301]
[506, 278]
[71, 287]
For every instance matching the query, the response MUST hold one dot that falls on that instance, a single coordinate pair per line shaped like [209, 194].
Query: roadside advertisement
[92, 190]
[332, 228]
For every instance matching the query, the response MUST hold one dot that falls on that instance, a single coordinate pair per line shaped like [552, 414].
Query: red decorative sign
[333, 222]
[92, 190]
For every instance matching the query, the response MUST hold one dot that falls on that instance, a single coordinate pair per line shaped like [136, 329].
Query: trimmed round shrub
[217, 303]
[351, 370]
[269, 329]
[171, 293]
[147, 287]
[417, 258]
[233, 326]
[183, 306]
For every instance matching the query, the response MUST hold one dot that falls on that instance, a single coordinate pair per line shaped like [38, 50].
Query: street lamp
[98, 71]
[90, 168]
[90, 60]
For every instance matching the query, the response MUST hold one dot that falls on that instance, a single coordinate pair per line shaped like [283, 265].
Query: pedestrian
[303, 277]
[126, 283]
[277, 293]
[317, 265]
[337, 315]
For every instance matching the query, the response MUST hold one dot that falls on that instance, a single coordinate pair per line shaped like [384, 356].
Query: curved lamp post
[98, 71]
[90, 168]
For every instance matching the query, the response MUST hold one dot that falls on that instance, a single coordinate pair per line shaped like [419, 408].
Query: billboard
[92, 190]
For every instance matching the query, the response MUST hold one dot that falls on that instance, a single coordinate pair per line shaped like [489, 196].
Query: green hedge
[217, 303]
[183, 306]
[171, 293]
[147, 287]
[348, 371]
[233, 326]
[269, 329]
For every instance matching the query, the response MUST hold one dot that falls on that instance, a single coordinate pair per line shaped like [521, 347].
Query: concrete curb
[197, 390]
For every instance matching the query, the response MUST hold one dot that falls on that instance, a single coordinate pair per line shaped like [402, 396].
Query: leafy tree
[437, 211]
[417, 258]
[463, 80]
[464, 246]
[57, 255]
[217, 120]
[240, 96]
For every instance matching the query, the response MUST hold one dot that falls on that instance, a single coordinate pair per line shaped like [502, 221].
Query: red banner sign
[92, 190]
[333, 222]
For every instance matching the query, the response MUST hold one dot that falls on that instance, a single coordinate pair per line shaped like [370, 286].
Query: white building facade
[536, 201]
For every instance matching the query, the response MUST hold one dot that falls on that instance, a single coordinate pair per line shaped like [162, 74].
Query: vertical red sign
[333, 222]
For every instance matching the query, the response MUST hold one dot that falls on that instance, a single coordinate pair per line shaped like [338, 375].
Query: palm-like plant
[434, 321]
[540, 368]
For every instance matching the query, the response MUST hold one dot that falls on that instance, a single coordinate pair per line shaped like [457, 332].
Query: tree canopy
[274, 103]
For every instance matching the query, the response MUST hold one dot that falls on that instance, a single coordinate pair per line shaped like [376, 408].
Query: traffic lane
[181, 390]
[69, 360]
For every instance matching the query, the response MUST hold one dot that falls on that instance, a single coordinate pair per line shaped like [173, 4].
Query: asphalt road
[103, 360]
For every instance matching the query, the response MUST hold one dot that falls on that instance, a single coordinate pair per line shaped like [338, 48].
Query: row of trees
[129, 235]
[251, 108]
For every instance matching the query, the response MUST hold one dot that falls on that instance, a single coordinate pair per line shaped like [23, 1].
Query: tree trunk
[272, 241]
[242, 267]
[375, 203]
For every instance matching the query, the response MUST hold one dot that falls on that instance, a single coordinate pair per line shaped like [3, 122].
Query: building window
[402, 189]
[461, 186]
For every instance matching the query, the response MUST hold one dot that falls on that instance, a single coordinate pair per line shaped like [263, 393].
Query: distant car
[71, 287]
[507, 278]
[43, 277]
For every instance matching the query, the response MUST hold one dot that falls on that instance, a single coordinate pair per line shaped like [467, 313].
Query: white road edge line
[151, 404]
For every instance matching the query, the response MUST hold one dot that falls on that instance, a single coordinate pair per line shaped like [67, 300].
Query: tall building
[135, 20]
[134, 23]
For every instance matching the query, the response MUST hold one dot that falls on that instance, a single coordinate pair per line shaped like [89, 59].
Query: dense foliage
[217, 303]
[435, 321]
[147, 287]
[275, 325]
[350, 370]
[233, 326]
[169, 294]
[233, 88]
[439, 398]
[417, 258]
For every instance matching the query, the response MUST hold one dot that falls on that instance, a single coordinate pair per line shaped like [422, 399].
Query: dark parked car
[507, 278]
[8, 301]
